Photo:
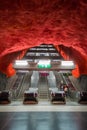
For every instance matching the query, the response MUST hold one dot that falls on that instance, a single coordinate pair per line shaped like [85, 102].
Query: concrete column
[3, 81]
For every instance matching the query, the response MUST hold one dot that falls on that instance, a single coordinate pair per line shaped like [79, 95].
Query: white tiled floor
[18, 106]
[33, 108]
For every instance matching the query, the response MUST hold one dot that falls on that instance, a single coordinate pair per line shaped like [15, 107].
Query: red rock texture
[28, 23]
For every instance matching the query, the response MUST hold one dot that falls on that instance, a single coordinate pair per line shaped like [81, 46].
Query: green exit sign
[44, 66]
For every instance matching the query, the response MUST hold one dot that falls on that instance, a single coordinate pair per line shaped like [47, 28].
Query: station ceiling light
[67, 63]
[21, 62]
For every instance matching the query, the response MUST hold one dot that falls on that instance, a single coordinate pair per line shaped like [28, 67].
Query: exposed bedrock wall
[28, 23]
[77, 55]
[82, 80]
[6, 62]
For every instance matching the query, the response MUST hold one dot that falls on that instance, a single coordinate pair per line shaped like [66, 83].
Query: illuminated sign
[44, 64]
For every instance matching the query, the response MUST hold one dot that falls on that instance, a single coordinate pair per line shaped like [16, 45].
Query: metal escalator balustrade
[34, 79]
[51, 80]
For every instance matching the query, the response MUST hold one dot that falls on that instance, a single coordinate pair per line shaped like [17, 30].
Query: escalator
[16, 86]
[24, 85]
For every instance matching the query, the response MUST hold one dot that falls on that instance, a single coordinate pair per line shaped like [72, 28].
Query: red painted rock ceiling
[27, 23]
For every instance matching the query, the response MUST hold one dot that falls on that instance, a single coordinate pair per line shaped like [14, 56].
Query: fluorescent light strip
[67, 63]
[44, 62]
[21, 62]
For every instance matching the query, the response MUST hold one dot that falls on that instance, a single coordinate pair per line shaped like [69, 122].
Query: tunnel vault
[28, 23]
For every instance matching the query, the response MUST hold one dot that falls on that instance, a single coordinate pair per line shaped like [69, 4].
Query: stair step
[41, 94]
[43, 97]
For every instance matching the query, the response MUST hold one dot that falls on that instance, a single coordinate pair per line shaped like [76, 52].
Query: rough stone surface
[27, 23]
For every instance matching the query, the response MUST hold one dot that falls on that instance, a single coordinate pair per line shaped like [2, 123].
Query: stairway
[43, 88]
